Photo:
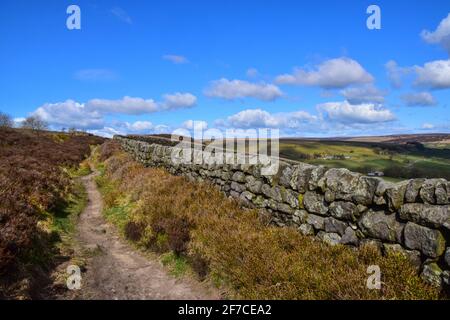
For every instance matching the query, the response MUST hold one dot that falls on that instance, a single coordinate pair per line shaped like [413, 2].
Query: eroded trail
[116, 270]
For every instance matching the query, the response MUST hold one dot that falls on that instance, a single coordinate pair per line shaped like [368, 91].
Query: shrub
[5, 120]
[134, 231]
[34, 123]
[32, 182]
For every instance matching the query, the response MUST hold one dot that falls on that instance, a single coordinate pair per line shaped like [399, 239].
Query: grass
[195, 226]
[65, 216]
[177, 265]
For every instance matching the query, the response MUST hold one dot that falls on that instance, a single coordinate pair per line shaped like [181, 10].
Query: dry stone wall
[335, 205]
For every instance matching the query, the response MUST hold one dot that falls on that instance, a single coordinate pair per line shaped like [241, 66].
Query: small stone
[301, 174]
[306, 229]
[431, 274]
[234, 194]
[253, 185]
[315, 203]
[361, 208]
[379, 201]
[349, 237]
[316, 174]
[247, 195]
[260, 201]
[365, 190]
[283, 207]
[427, 191]
[446, 277]
[272, 192]
[330, 238]
[329, 196]
[300, 216]
[342, 182]
[286, 175]
[316, 221]
[395, 195]
[333, 225]
[290, 197]
[447, 257]
[344, 210]
[238, 177]
[412, 190]
[237, 187]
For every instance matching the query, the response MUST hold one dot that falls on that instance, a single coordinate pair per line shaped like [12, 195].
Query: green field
[396, 161]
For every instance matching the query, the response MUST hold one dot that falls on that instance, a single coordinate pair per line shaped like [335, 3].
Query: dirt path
[116, 270]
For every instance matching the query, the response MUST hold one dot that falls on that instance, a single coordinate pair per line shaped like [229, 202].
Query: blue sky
[307, 68]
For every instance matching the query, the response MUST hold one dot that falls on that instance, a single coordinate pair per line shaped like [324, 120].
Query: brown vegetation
[33, 180]
[236, 248]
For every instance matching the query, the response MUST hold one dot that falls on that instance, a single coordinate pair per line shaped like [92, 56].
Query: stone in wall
[300, 176]
[344, 210]
[335, 226]
[412, 190]
[317, 222]
[315, 203]
[272, 192]
[253, 184]
[426, 214]
[435, 191]
[432, 274]
[349, 237]
[306, 229]
[428, 241]
[329, 238]
[379, 225]
[447, 257]
[395, 195]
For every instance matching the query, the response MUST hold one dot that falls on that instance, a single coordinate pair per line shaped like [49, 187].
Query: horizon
[310, 70]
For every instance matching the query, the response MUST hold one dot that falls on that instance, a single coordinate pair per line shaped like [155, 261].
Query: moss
[300, 201]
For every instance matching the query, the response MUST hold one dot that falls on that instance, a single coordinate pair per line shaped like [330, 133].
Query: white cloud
[331, 74]
[419, 99]
[190, 124]
[124, 128]
[177, 59]
[257, 118]
[70, 114]
[136, 106]
[434, 74]
[395, 73]
[18, 121]
[126, 105]
[140, 126]
[95, 75]
[428, 126]
[346, 113]
[368, 93]
[91, 115]
[178, 100]
[107, 132]
[121, 15]
[439, 36]
[238, 89]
